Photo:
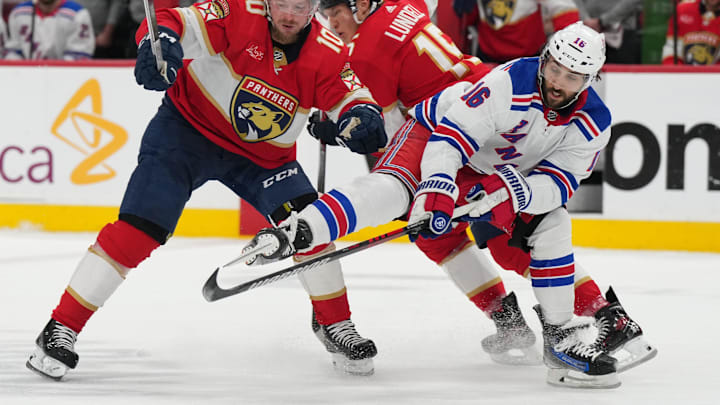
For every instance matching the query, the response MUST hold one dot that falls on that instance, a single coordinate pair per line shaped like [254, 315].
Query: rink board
[71, 135]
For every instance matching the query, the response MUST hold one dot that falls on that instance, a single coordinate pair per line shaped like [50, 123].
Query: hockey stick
[213, 292]
[155, 38]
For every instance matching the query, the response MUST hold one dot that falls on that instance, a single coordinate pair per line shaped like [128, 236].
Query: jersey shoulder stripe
[593, 118]
[72, 6]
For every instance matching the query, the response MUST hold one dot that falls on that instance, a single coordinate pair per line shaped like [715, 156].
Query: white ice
[158, 341]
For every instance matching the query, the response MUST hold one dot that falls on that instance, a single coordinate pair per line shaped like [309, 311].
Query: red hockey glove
[503, 214]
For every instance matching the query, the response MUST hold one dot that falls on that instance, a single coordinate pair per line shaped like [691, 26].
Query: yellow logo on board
[100, 143]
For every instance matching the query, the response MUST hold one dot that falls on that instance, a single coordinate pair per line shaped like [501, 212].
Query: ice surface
[157, 340]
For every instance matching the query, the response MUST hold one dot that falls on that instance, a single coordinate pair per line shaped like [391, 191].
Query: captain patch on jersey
[213, 10]
[261, 112]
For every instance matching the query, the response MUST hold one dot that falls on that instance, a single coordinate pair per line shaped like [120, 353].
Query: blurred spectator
[50, 29]
[136, 12]
[618, 19]
[3, 33]
[508, 29]
[105, 15]
[698, 33]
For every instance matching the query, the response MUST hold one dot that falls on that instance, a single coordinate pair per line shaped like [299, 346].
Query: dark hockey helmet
[350, 3]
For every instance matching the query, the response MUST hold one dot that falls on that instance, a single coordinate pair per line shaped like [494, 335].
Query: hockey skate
[55, 351]
[274, 244]
[573, 363]
[514, 341]
[620, 336]
[351, 353]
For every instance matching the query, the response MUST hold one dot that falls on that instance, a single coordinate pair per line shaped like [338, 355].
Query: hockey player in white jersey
[49, 29]
[532, 128]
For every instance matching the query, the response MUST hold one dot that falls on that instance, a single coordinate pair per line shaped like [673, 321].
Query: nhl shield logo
[260, 112]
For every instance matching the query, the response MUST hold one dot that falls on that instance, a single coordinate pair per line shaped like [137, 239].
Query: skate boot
[514, 341]
[55, 351]
[351, 353]
[573, 363]
[620, 336]
[274, 244]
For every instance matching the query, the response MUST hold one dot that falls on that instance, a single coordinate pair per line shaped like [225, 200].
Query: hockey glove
[322, 128]
[434, 204]
[503, 214]
[362, 129]
[146, 71]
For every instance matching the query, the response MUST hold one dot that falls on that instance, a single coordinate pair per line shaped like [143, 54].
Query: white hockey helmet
[580, 49]
[285, 5]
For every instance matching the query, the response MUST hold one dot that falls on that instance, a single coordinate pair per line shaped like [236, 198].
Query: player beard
[556, 98]
[285, 31]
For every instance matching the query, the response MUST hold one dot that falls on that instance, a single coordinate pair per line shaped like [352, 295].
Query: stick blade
[211, 290]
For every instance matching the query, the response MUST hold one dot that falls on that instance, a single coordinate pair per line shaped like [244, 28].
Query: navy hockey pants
[175, 159]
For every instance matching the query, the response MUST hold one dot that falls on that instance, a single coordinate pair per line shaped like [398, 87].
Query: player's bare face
[560, 84]
[341, 21]
[713, 5]
[288, 19]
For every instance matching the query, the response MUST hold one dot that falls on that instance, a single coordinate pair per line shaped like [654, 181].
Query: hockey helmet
[324, 4]
[579, 48]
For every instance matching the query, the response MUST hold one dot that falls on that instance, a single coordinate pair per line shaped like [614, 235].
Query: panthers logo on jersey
[261, 112]
[498, 12]
[700, 54]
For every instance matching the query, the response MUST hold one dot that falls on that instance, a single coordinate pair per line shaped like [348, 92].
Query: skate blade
[364, 367]
[528, 356]
[562, 377]
[46, 366]
[634, 353]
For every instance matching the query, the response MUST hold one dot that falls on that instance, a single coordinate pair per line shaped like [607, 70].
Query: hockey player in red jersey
[698, 34]
[509, 29]
[242, 76]
[538, 114]
[403, 58]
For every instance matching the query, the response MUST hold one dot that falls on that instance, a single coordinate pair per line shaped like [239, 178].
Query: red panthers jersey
[403, 58]
[698, 36]
[239, 90]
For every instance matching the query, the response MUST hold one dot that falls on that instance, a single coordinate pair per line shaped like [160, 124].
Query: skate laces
[62, 337]
[344, 333]
[572, 344]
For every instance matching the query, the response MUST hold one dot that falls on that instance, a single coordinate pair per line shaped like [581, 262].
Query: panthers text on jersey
[238, 89]
[501, 120]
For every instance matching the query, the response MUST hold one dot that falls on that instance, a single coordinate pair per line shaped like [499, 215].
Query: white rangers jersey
[64, 34]
[501, 120]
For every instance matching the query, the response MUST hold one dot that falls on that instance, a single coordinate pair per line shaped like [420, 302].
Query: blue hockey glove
[434, 202]
[146, 71]
[322, 128]
[362, 129]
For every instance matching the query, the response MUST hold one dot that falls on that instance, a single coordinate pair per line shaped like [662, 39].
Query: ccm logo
[279, 177]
